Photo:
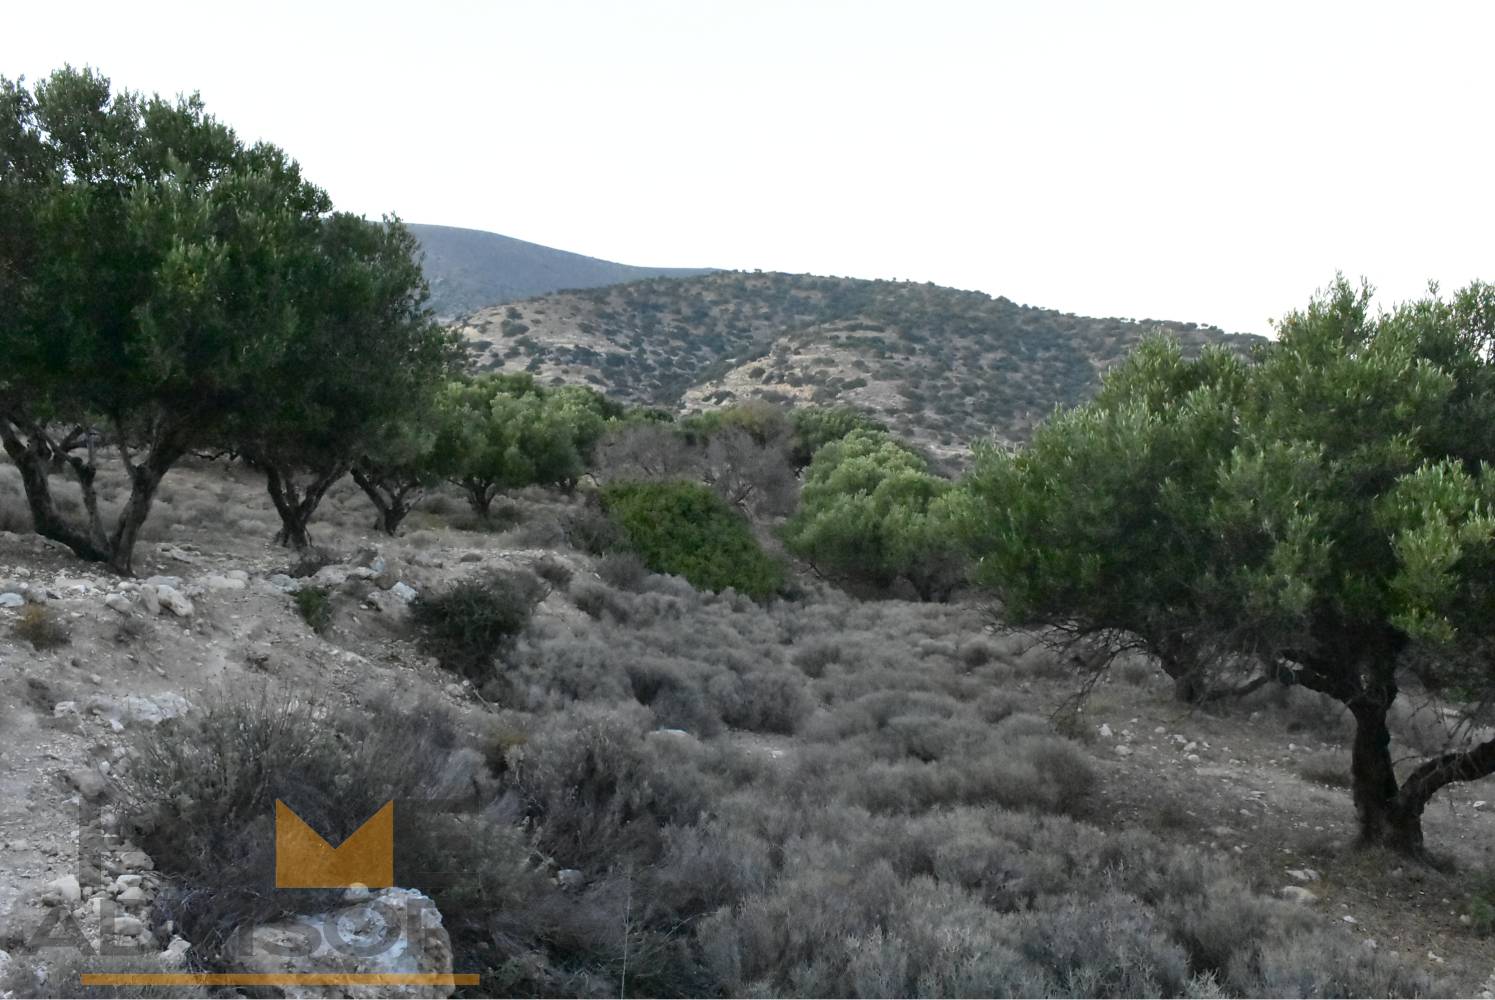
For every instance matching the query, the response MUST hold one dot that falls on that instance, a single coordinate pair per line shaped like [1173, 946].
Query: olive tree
[366, 348]
[871, 512]
[1322, 510]
[502, 432]
[150, 279]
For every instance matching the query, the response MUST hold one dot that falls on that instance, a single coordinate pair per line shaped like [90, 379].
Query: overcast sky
[1191, 161]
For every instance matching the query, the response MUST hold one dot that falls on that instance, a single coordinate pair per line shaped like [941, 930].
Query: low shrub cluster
[38, 625]
[924, 834]
[685, 529]
[314, 604]
[467, 625]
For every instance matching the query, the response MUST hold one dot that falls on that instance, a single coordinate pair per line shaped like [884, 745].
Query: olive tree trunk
[393, 497]
[296, 504]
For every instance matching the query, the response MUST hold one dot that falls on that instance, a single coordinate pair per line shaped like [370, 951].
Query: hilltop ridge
[940, 366]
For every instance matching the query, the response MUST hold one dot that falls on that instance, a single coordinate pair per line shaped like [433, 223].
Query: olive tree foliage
[367, 349]
[149, 263]
[502, 432]
[871, 512]
[1322, 510]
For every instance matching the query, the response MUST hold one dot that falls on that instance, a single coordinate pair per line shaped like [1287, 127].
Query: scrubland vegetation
[760, 707]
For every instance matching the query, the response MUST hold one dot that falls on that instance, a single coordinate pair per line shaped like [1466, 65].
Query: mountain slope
[469, 269]
[941, 366]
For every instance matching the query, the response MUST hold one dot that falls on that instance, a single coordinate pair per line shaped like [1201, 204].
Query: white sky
[1191, 161]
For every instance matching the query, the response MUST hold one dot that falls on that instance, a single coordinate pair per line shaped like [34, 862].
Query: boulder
[68, 888]
[174, 600]
[120, 603]
[175, 955]
[403, 591]
[1297, 894]
[153, 710]
[392, 931]
[215, 582]
[331, 576]
[11, 600]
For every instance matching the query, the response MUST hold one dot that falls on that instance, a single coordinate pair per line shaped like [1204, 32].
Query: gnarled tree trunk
[480, 495]
[393, 497]
[294, 504]
[34, 455]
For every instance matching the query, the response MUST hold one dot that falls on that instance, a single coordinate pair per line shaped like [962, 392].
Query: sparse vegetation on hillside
[939, 366]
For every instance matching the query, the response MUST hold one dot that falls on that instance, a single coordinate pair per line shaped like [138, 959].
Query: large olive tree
[1322, 510]
[150, 278]
[366, 349]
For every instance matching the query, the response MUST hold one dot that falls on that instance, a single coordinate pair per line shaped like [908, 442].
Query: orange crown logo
[304, 860]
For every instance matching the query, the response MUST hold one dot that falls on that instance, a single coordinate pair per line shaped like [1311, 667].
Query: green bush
[468, 624]
[315, 605]
[687, 530]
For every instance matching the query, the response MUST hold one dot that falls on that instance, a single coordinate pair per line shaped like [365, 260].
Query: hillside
[469, 269]
[941, 366]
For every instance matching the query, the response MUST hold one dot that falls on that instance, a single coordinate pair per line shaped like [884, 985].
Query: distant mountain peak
[469, 269]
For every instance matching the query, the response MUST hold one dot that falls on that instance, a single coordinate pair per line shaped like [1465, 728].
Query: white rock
[11, 600]
[1479, 804]
[1302, 874]
[174, 582]
[120, 603]
[155, 709]
[1349, 920]
[1297, 894]
[180, 555]
[394, 931]
[284, 584]
[133, 896]
[175, 955]
[216, 582]
[331, 576]
[1105, 731]
[67, 886]
[1122, 750]
[125, 925]
[403, 591]
[64, 708]
[174, 601]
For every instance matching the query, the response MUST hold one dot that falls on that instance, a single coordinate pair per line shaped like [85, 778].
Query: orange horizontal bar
[280, 979]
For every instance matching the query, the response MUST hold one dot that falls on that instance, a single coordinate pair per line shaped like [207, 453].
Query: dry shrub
[468, 624]
[40, 626]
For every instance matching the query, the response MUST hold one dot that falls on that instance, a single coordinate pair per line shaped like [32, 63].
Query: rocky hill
[941, 366]
[469, 269]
